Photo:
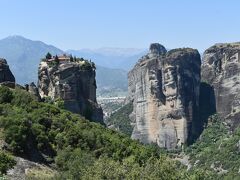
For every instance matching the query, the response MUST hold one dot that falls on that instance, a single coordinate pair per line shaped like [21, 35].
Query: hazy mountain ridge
[111, 78]
[23, 56]
[121, 58]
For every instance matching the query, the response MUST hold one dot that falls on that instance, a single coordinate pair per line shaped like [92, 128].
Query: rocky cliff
[6, 76]
[72, 82]
[221, 69]
[164, 88]
[33, 89]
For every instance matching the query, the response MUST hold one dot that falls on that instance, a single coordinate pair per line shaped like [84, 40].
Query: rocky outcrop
[25, 169]
[32, 89]
[221, 69]
[164, 88]
[6, 76]
[72, 82]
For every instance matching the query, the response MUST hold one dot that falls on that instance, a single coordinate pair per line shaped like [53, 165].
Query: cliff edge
[6, 76]
[73, 82]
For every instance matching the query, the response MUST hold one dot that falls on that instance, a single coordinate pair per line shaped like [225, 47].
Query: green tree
[74, 59]
[56, 59]
[6, 94]
[48, 56]
[71, 58]
[6, 162]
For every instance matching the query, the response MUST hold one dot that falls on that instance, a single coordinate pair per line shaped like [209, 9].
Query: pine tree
[56, 60]
[71, 58]
[75, 59]
[48, 56]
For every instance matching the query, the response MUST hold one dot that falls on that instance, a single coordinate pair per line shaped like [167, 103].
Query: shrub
[6, 162]
[6, 94]
[59, 103]
[48, 56]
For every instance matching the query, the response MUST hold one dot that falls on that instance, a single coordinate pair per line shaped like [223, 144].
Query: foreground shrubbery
[79, 164]
[79, 148]
[217, 150]
[6, 162]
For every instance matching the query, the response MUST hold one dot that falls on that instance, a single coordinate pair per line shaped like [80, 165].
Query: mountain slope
[111, 80]
[217, 149]
[23, 56]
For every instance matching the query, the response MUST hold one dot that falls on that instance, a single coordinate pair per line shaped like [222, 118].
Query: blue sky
[76, 24]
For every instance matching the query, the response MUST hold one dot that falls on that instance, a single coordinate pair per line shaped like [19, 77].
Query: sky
[77, 24]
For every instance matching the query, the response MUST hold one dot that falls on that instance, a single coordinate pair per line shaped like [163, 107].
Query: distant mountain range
[111, 82]
[23, 56]
[120, 58]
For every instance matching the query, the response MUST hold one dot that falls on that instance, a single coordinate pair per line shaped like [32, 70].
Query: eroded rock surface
[74, 83]
[32, 89]
[25, 169]
[164, 88]
[6, 76]
[221, 69]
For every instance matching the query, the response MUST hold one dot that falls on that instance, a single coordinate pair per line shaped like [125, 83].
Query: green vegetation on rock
[120, 119]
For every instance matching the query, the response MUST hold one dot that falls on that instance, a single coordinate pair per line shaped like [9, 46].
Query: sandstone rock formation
[164, 88]
[220, 69]
[32, 89]
[72, 82]
[6, 76]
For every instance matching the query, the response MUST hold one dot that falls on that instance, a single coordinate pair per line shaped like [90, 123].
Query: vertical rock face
[221, 68]
[6, 76]
[74, 83]
[164, 89]
[32, 89]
